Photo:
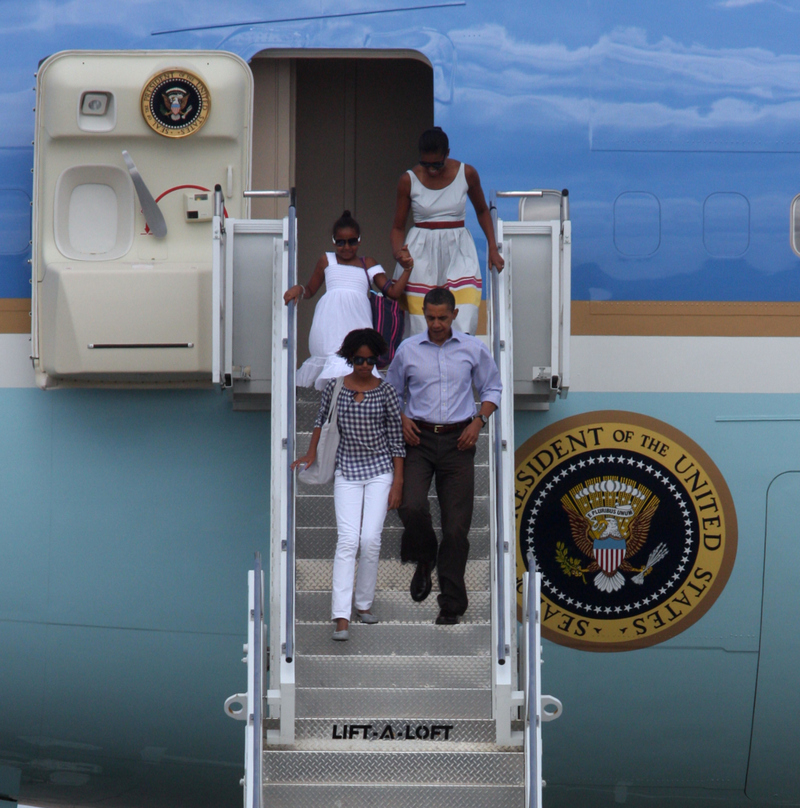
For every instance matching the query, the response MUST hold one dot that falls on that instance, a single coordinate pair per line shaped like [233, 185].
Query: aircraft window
[794, 225]
[92, 218]
[726, 224]
[15, 219]
[637, 223]
[94, 212]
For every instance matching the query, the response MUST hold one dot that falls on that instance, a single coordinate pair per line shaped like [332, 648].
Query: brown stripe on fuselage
[15, 315]
[678, 318]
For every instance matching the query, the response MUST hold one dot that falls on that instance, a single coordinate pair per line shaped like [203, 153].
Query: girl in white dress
[345, 304]
[439, 246]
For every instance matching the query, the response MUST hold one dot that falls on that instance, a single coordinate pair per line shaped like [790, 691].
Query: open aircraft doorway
[341, 127]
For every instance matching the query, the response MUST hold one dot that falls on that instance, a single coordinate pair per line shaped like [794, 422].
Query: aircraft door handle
[152, 213]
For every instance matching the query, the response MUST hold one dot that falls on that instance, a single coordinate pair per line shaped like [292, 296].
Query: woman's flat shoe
[344, 634]
[367, 617]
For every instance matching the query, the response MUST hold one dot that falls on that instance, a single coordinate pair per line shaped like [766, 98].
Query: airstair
[406, 711]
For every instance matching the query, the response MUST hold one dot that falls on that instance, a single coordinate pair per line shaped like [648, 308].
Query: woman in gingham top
[369, 473]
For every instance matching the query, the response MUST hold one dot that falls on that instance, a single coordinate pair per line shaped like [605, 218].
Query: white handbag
[321, 470]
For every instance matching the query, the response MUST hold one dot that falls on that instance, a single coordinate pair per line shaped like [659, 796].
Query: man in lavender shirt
[434, 374]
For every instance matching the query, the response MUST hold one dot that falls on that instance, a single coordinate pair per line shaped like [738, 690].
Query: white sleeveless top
[448, 204]
[343, 307]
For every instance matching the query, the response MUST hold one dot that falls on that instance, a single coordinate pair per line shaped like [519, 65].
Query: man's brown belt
[440, 429]
[438, 225]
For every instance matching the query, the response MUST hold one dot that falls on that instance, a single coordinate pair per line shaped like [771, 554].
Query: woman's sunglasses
[347, 242]
[370, 360]
[437, 166]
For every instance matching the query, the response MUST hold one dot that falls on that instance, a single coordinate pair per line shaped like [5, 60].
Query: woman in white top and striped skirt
[439, 246]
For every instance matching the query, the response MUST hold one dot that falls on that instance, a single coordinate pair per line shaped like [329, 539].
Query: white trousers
[361, 507]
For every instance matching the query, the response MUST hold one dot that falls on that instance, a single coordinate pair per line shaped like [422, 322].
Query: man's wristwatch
[484, 419]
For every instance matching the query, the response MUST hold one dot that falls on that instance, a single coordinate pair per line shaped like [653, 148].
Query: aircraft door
[772, 773]
[129, 147]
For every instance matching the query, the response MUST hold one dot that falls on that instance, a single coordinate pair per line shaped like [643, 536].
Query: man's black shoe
[446, 619]
[421, 582]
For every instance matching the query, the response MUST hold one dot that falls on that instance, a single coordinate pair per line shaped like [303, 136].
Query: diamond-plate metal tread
[307, 394]
[479, 768]
[387, 703]
[392, 574]
[464, 734]
[330, 745]
[394, 671]
[401, 639]
[391, 607]
[318, 511]
[320, 542]
[436, 795]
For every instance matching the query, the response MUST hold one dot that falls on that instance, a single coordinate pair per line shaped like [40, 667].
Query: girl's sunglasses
[347, 242]
[370, 360]
[436, 166]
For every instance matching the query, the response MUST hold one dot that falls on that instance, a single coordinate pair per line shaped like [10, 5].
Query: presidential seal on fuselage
[175, 103]
[631, 525]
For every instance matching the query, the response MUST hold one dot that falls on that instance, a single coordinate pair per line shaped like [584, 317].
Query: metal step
[407, 639]
[418, 703]
[438, 795]
[391, 607]
[322, 670]
[316, 573]
[457, 734]
[394, 767]
[320, 542]
[317, 511]
[376, 745]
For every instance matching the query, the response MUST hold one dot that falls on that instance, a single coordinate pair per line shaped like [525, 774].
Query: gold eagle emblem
[609, 520]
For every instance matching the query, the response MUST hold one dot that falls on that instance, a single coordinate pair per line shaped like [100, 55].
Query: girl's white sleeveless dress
[445, 257]
[343, 308]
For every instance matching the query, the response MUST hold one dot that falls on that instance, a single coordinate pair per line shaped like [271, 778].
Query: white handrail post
[252, 701]
[282, 685]
[532, 582]
[218, 273]
[502, 516]
[284, 408]
[291, 351]
[525, 672]
[556, 292]
[255, 718]
[566, 303]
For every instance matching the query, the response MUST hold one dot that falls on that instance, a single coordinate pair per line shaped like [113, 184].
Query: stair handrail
[291, 346]
[258, 684]
[281, 695]
[494, 292]
[535, 704]
[248, 706]
[531, 587]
